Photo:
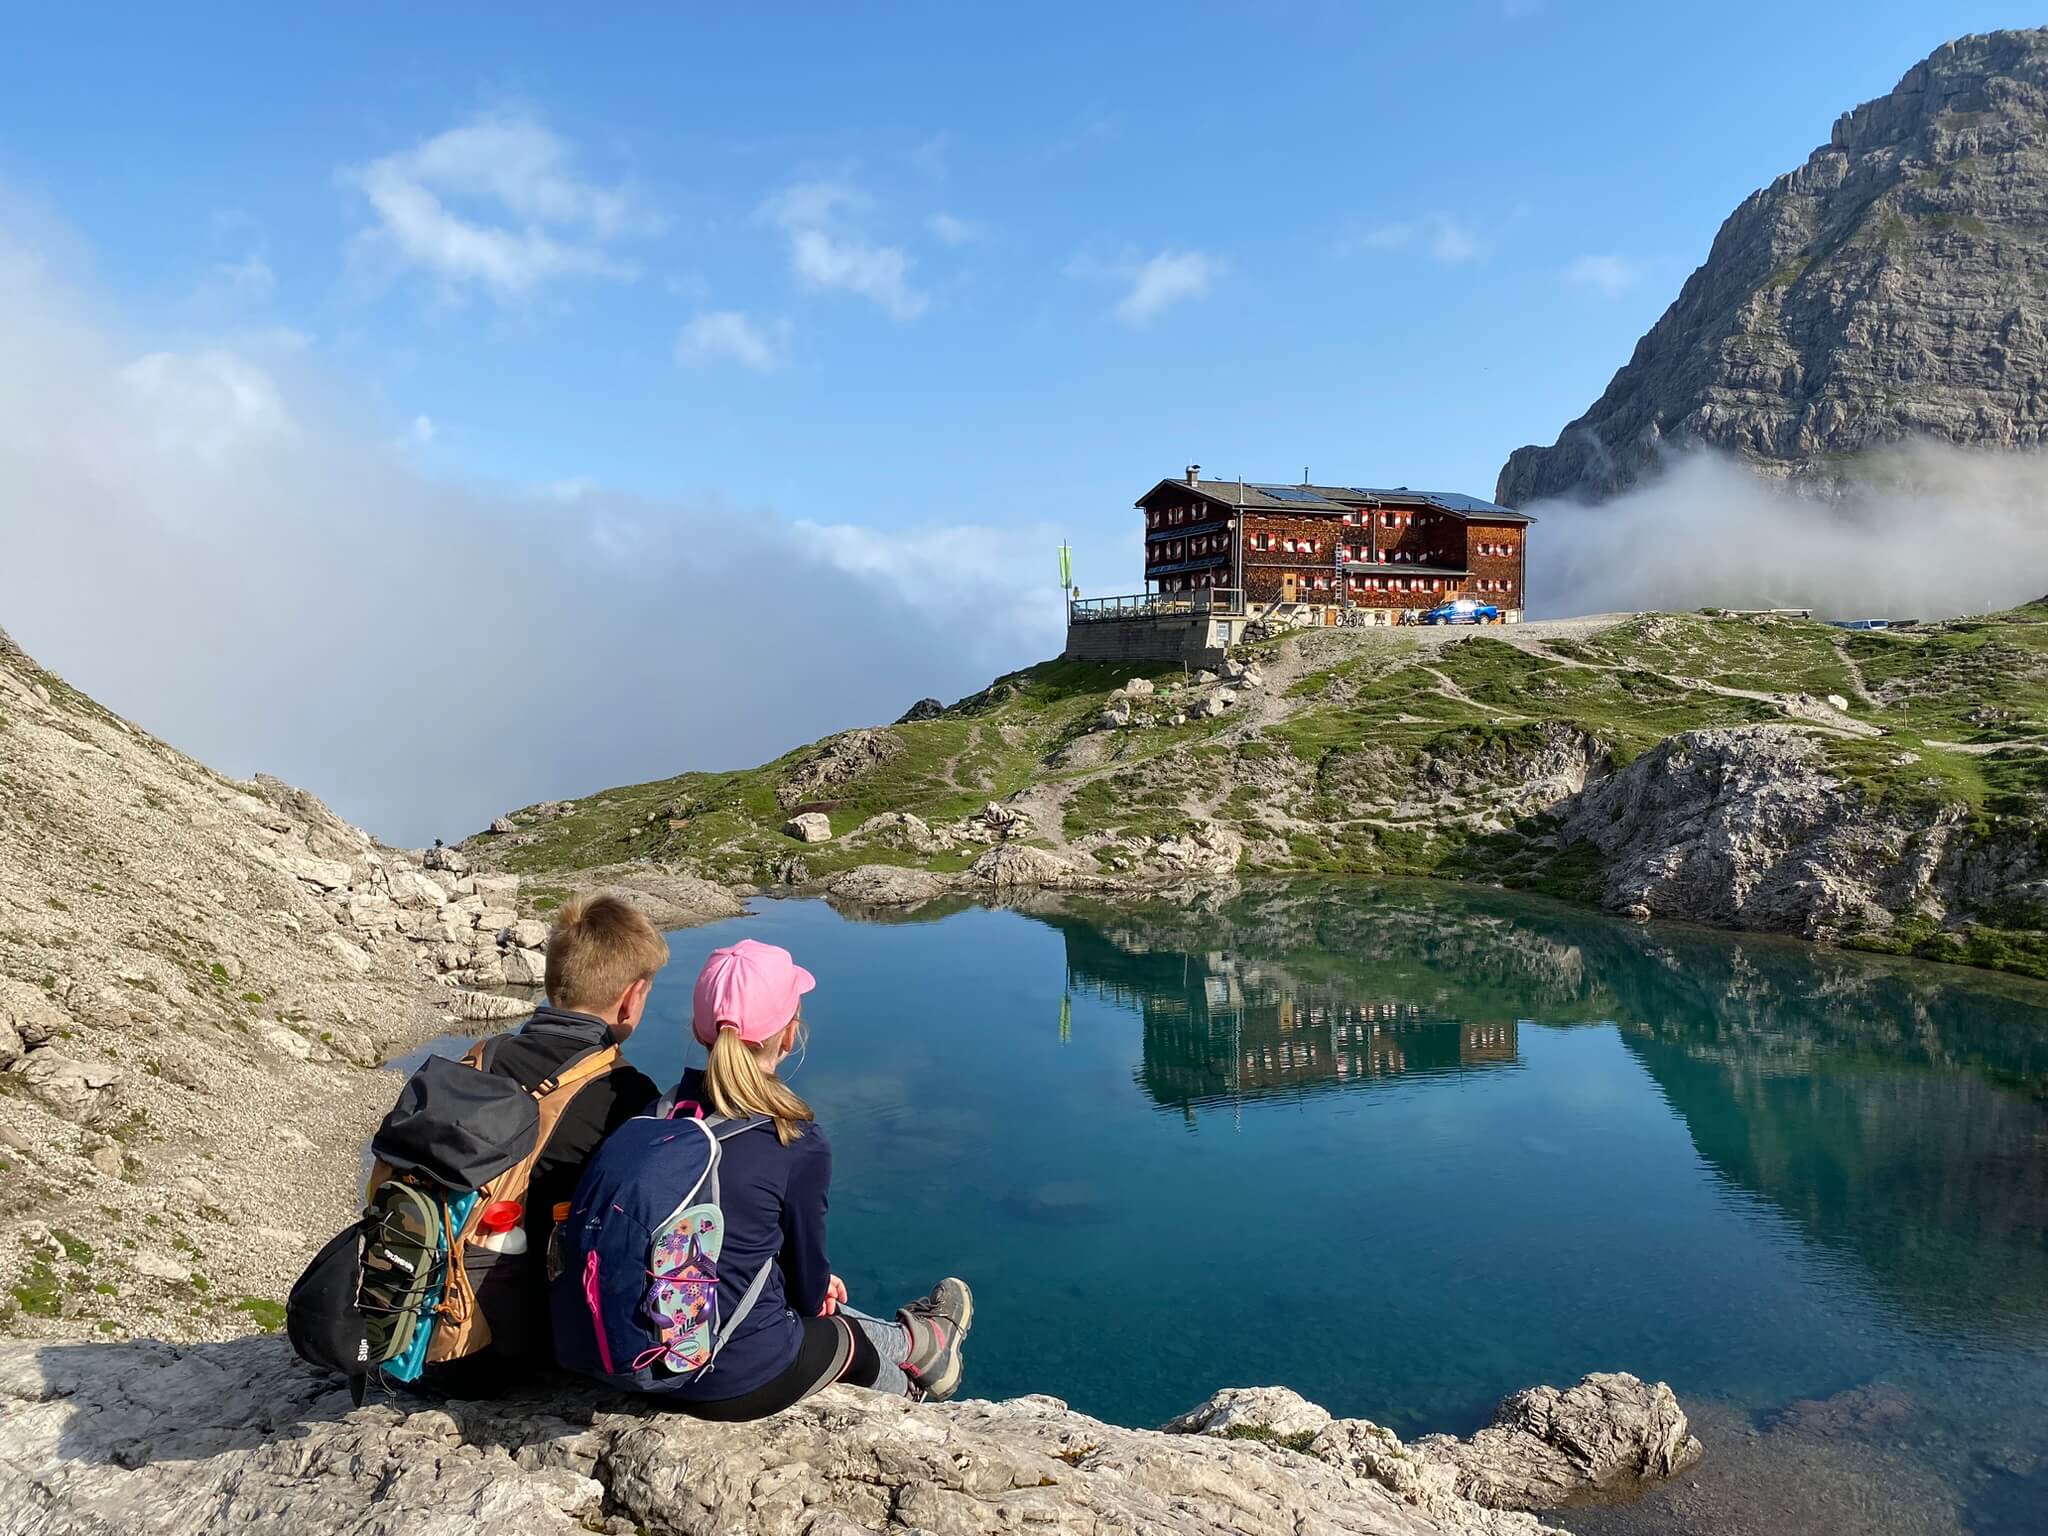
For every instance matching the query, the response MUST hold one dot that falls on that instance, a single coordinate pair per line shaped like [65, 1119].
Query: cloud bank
[495, 202]
[219, 543]
[1924, 530]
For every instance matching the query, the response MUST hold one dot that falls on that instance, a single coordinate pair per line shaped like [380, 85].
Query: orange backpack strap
[462, 1329]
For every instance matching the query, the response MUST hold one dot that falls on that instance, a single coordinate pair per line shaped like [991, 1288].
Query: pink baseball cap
[749, 986]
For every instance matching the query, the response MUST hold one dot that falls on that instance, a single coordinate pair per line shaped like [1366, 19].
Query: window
[1386, 519]
[1287, 545]
[1508, 585]
[1315, 546]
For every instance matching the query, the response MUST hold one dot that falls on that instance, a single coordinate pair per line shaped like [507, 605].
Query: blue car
[1462, 610]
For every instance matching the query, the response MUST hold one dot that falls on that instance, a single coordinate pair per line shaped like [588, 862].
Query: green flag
[1066, 565]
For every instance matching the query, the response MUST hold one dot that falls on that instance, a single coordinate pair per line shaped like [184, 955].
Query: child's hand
[835, 1294]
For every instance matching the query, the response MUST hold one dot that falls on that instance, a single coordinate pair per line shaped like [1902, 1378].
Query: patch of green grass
[76, 1249]
[219, 973]
[254, 999]
[267, 1314]
[38, 1293]
[1300, 1440]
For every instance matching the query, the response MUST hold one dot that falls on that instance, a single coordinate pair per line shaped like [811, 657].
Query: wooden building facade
[1335, 546]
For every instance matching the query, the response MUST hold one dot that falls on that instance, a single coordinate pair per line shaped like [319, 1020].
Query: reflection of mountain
[1230, 1025]
[1897, 1112]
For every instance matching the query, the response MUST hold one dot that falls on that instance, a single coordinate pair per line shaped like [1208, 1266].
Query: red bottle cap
[501, 1216]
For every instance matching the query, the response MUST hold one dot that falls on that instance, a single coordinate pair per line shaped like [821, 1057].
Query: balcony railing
[1225, 601]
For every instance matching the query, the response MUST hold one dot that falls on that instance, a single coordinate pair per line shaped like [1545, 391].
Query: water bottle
[501, 1229]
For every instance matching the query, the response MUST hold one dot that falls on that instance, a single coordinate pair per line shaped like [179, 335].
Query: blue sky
[924, 287]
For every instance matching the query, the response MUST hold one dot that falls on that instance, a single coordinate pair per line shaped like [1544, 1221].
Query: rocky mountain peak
[1893, 286]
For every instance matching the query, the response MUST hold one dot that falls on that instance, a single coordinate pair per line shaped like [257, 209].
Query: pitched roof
[1266, 497]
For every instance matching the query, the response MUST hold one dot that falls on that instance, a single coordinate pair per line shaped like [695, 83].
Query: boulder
[900, 829]
[525, 968]
[1273, 1411]
[1138, 688]
[321, 874]
[71, 1086]
[286, 1042]
[503, 825]
[886, 885]
[372, 914]
[491, 919]
[350, 955]
[810, 827]
[1603, 1440]
[498, 890]
[450, 860]
[411, 889]
[487, 1007]
[528, 933]
[1016, 867]
[28, 1016]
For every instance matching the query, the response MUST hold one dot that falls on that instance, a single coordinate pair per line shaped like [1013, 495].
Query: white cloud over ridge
[1609, 275]
[495, 202]
[1923, 530]
[826, 251]
[728, 335]
[218, 544]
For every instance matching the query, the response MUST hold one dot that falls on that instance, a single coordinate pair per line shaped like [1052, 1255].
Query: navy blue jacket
[773, 1199]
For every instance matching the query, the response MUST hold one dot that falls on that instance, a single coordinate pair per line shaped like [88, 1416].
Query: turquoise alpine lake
[1408, 1147]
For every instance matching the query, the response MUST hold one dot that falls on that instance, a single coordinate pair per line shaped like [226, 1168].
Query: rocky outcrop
[1894, 286]
[200, 1439]
[886, 885]
[1758, 828]
[923, 709]
[1602, 1441]
[834, 763]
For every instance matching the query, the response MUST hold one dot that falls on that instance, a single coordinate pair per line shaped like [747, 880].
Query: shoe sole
[949, 1383]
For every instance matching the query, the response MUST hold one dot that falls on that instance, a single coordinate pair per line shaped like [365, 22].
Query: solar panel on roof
[1287, 493]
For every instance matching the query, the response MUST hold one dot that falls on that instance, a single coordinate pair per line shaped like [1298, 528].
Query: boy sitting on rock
[602, 956]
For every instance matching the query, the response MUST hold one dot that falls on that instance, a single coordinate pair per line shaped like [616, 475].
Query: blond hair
[600, 946]
[738, 1085]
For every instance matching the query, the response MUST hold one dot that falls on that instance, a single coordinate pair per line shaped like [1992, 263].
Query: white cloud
[826, 253]
[728, 335]
[954, 230]
[1449, 240]
[1164, 281]
[1920, 530]
[240, 529]
[250, 278]
[969, 570]
[423, 429]
[495, 202]
[1608, 275]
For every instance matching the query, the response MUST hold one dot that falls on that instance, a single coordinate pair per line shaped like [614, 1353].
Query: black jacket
[538, 1049]
[513, 1293]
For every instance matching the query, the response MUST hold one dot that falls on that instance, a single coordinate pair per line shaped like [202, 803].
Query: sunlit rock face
[1894, 286]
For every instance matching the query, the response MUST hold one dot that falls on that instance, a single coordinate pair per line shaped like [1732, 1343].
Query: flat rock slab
[239, 1436]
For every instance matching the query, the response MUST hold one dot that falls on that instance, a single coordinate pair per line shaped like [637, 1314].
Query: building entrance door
[1290, 587]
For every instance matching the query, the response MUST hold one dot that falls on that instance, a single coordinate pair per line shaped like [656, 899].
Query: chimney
[1194, 474]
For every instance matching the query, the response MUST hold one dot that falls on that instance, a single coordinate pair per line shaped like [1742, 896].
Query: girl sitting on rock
[779, 1328]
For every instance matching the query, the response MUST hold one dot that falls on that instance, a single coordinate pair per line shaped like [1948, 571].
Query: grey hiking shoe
[938, 1326]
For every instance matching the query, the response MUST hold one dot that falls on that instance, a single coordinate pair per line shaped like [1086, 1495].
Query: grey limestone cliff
[1895, 286]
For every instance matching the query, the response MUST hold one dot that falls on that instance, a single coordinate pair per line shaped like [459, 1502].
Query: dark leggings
[832, 1350]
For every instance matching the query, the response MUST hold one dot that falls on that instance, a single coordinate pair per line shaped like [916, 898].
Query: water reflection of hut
[1223, 1027]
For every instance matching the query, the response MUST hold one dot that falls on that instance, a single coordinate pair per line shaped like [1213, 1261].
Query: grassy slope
[1374, 755]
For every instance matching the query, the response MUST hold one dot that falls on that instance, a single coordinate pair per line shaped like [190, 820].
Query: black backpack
[399, 1289]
